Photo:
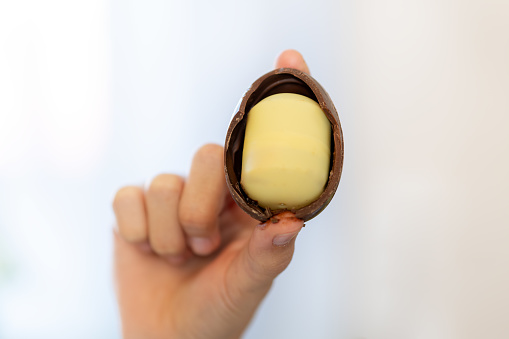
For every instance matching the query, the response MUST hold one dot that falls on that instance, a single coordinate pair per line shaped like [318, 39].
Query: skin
[189, 263]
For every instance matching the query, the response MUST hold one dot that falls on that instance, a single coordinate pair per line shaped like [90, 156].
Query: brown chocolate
[283, 80]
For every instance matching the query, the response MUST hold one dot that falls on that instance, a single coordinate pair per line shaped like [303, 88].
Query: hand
[189, 263]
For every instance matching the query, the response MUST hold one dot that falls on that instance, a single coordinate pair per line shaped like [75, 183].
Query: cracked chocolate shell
[283, 80]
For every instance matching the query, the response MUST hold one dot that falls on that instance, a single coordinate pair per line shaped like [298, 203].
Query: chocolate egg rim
[282, 80]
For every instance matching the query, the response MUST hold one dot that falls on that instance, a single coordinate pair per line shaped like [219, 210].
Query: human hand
[189, 263]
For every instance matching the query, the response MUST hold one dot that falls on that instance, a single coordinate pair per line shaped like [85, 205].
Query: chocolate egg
[283, 80]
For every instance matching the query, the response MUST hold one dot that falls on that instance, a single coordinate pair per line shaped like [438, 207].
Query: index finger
[291, 58]
[203, 199]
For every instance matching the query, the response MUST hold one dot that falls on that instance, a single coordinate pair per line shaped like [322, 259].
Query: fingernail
[284, 239]
[201, 246]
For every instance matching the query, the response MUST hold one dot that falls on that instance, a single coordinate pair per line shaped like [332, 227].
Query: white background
[95, 95]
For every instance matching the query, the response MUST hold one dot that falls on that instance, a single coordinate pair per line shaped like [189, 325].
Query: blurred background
[95, 95]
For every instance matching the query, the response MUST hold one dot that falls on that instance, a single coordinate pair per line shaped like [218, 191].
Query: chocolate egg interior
[284, 80]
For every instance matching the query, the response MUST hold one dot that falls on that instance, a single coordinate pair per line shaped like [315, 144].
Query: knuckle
[196, 222]
[210, 153]
[165, 186]
[130, 225]
[127, 195]
[132, 234]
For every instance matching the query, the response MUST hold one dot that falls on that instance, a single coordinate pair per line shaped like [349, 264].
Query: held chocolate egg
[286, 164]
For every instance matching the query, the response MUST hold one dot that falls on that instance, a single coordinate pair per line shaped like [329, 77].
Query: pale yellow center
[286, 157]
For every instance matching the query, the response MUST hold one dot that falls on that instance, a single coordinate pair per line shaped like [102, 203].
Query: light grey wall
[103, 94]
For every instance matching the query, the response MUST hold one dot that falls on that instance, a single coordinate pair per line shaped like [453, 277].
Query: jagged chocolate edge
[283, 80]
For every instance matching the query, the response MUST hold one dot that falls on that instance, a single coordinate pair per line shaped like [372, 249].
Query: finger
[137, 275]
[129, 207]
[269, 251]
[292, 59]
[164, 231]
[202, 200]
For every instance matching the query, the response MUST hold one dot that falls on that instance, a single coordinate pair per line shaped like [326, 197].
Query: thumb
[269, 251]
